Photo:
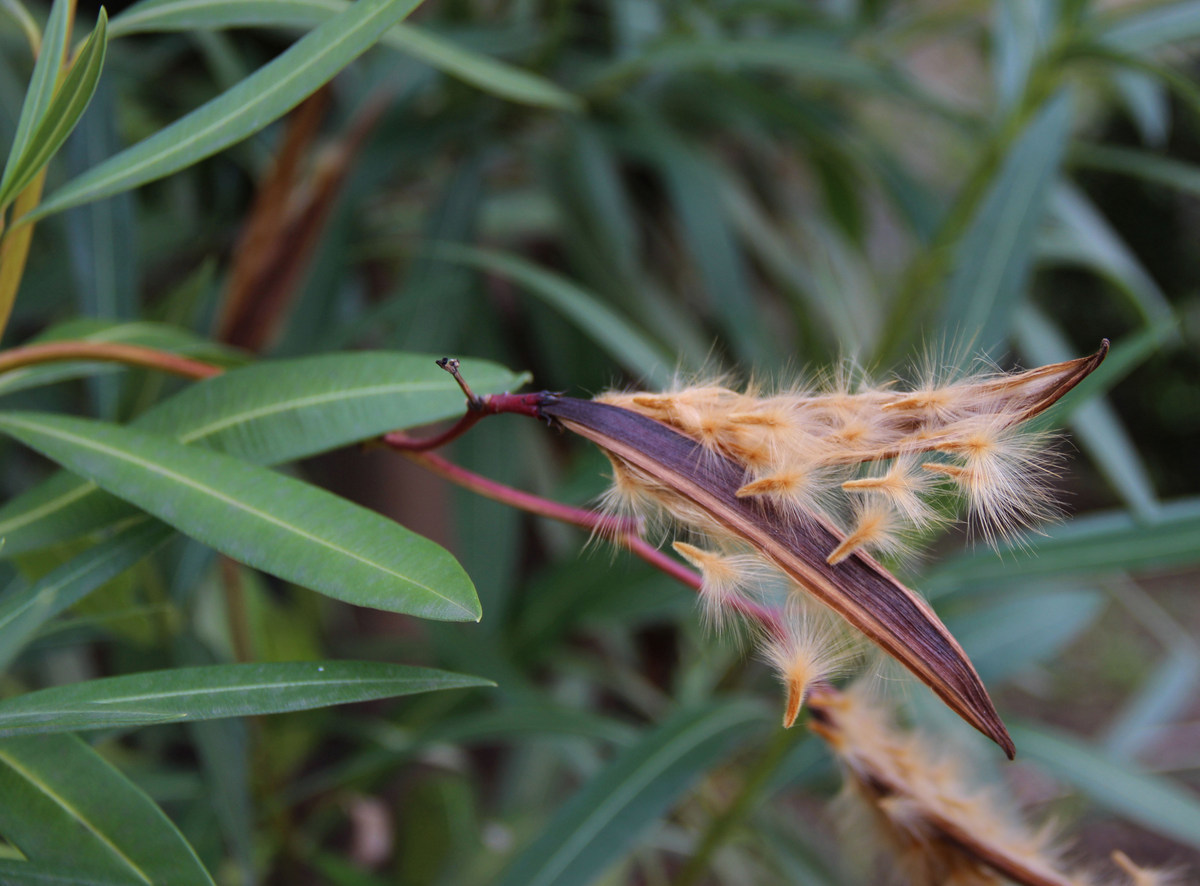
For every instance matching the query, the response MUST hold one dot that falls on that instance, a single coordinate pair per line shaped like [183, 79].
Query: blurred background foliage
[609, 193]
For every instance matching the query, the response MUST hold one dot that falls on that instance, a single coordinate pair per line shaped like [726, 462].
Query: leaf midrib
[76, 814]
[88, 444]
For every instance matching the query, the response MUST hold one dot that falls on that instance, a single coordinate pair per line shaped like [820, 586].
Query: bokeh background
[642, 190]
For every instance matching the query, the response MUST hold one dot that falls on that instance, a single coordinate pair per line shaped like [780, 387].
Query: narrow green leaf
[805, 60]
[1021, 30]
[217, 691]
[692, 184]
[23, 611]
[1124, 356]
[488, 74]
[625, 343]
[40, 92]
[1083, 235]
[67, 106]
[599, 824]
[1001, 639]
[1142, 164]
[266, 413]
[264, 96]
[1097, 543]
[1158, 25]
[1148, 104]
[298, 532]
[1149, 800]
[102, 238]
[26, 22]
[30, 873]
[1095, 425]
[1165, 694]
[64, 805]
[994, 256]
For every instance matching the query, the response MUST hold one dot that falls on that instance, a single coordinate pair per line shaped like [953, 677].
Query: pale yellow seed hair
[813, 648]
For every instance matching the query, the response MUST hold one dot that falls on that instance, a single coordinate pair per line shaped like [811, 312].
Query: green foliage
[599, 194]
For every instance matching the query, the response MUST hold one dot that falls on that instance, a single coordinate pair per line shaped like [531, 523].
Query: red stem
[622, 532]
[495, 404]
[133, 355]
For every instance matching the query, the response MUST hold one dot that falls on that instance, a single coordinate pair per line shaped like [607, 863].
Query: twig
[112, 352]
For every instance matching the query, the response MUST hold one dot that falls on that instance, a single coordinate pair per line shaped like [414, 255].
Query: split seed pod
[750, 470]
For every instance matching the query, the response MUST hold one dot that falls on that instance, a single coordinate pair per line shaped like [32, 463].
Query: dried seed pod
[781, 474]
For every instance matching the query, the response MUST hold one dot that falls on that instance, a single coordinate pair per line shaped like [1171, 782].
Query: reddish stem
[133, 355]
[526, 501]
[622, 532]
[495, 404]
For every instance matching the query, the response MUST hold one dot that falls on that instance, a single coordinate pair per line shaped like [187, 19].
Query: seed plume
[815, 485]
[915, 803]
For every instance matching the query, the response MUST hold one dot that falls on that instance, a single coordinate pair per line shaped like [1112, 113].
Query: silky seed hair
[880, 463]
[873, 460]
[912, 801]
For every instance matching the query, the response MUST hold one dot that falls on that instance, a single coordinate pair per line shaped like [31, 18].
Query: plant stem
[14, 247]
[722, 827]
[621, 532]
[132, 355]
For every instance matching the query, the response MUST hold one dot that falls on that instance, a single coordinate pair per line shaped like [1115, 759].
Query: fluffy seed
[812, 650]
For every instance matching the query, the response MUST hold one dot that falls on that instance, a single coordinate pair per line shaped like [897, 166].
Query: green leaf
[805, 60]
[1149, 800]
[1154, 27]
[624, 342]
[264, 96]
[1097, 543]
[1001, 638]
[24, 610]
[293, 530]
[30, 873]
[216, 691]
[40, 91]
[25, 21]
[1164, 695]
[1124, 356]
[1081, 235]
[1095, 424]
[599, 824]
[484, 73]
[62, 804]
[1149, 167]
[487, 74]
[994, 255]
[69, 102]
[267, 413]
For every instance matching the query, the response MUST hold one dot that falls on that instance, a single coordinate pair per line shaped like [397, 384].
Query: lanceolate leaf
[67, 106]
[600, 822]
[266, 413]
[25, 610]
[1142, 797]
[283, 526]
[481, 71]
[216, 691]
[264, 96]
[65, 808]
[41, 84]
[996, 252]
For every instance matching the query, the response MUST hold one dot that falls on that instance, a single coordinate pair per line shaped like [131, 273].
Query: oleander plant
[683, 443]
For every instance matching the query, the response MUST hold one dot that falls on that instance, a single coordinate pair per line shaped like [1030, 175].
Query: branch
[111, 352]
